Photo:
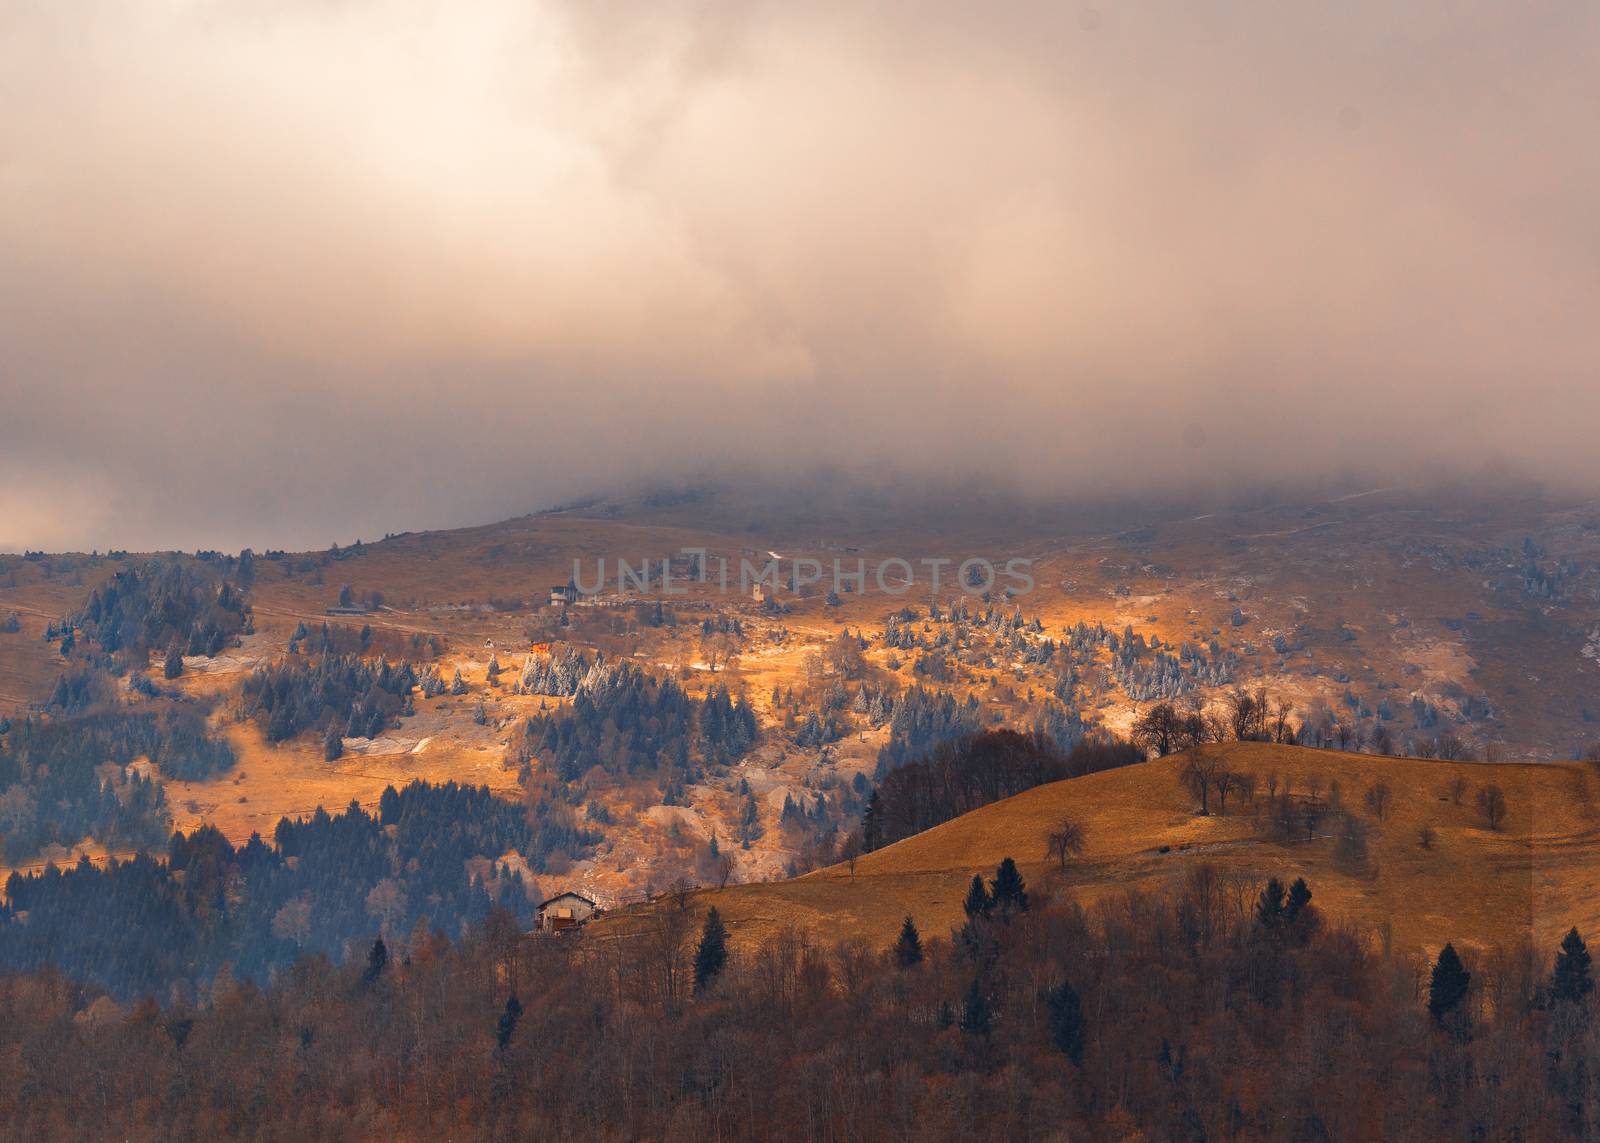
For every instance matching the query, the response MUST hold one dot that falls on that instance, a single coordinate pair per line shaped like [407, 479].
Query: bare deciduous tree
[1451, 748]
[1157, 729]
[1248, 714]
[850, 852]
[1204, 774]
[1231, 783]
[1378, 795]
[1064, 841]
[1492, 804]
[1282, 731]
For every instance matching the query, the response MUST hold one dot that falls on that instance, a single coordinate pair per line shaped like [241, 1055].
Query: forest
[624, 722]
[960, 775]
[191, 607]
[326, 885]
[342, 693]
[65, 779]
[1215, 1010]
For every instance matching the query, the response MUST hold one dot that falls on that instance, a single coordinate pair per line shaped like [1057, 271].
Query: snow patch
[381, 745]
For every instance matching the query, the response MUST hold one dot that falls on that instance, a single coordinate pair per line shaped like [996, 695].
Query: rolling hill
[1534, 877]
[1421, 617]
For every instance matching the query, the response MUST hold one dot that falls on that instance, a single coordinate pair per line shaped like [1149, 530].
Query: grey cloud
[280, 276]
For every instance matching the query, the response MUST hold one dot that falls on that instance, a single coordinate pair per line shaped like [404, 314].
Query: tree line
[625, 722]
[344, 693]
[168, 605]
[431, 854]
[974, 770]
[1212, 1010]
[65, 779]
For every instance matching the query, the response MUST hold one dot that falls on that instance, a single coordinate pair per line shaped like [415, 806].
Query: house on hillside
[565, 911]
[563, 594]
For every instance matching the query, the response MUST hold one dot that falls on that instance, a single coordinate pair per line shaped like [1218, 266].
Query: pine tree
[1299, 898]
[1010, 894]
[333, 745]
[1448, 987]
[508, 1021]
[750, 827]
[173, 667]
[712, 955]
[872, 823]
[1066, 1020]
[377, 961]
[976, 1017]
[1269, 907]
[1571, 978]
[978, 902]
[908, 949]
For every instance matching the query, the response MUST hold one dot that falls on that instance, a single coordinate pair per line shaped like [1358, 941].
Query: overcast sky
[280, 274]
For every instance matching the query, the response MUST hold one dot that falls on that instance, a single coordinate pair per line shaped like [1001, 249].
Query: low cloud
[279, 277]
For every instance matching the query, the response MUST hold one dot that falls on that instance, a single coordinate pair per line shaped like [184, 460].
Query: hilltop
[1533, 877]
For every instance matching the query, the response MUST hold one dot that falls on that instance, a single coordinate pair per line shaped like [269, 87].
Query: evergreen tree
[508, 1021]
[872, 823]
[908, 949]
[976, 1016]
[750, 827]
[333, 744]
[1571, 979]
[1448, 988]
[1270, 906]
[1299, 898]
[712, 955]
[1065, 1013]
[377, 961]
[1010, 894]
[978, 902]
[173, 667]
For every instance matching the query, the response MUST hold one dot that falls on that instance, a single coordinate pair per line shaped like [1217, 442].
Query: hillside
[1534, 877]
[1386, 621]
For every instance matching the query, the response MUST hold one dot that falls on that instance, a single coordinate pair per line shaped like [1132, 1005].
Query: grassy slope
[1285, 567]
[1536, 875]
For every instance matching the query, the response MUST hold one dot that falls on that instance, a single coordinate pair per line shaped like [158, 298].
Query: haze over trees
[141, 926]
[54, 789]
[1050, 1016]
